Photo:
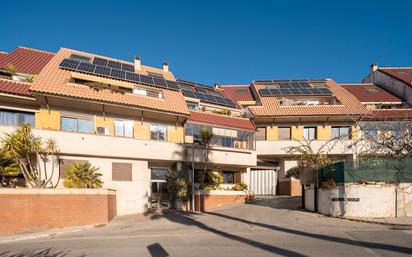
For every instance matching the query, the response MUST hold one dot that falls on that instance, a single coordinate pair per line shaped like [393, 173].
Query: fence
[375, 170]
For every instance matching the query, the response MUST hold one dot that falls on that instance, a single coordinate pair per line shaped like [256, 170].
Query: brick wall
[210, 201]
[290, 187]
[28, 210]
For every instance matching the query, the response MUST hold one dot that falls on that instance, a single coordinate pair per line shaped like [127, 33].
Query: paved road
[271, 227]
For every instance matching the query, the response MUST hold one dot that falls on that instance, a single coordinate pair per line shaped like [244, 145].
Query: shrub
[240, 187]
[10, 173]
[10, 68]
[293, 172]
[30, 79]
[214, 179]
[83, 175]
[178, 184]
[328, 184]
[209, 187]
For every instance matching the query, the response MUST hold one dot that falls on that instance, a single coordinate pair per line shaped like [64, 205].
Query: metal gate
[263, 182]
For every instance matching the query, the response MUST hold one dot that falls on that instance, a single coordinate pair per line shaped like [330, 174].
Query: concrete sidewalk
[402, 221]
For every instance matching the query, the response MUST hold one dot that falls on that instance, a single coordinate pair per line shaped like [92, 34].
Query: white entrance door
[263, 182]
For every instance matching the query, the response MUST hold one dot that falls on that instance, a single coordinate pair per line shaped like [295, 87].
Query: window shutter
[121, 171]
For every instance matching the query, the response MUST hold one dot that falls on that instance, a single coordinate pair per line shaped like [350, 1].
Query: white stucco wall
[309, 199]
[132, 197]
[374, 201]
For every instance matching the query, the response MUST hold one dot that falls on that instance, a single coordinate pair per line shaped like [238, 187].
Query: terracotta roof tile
[402, 74]
[2, 55]
[55, 81]
[222, 120]
[362, 94]
[13, 87]
[237, 92]
[349, 105]
[391, 114]
[26, 60]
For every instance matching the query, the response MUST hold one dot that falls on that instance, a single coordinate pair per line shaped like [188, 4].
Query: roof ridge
[101, 56]
[394, 109]
[37, 50]
[220, 115]
[383, 68]
[230, 85]
[16, 82]
[353, 84]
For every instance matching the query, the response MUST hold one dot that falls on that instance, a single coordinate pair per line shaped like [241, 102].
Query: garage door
[263, 182]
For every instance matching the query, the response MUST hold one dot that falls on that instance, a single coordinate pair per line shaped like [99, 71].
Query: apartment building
[387, 112]
[131, 121]
[292, 112]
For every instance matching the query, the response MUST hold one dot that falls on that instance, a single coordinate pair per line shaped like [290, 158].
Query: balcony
[118, 147]
[274, 148]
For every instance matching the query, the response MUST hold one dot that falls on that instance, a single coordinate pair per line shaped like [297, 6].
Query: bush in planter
[83, 175]
[240, 187]
[328, 184]
[214, 179]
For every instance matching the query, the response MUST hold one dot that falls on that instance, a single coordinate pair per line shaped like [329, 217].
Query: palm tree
[205, 139]
[83, 175]
[9, 170]
[29, 152]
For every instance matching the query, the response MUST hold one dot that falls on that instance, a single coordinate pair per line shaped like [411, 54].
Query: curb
[46, 234]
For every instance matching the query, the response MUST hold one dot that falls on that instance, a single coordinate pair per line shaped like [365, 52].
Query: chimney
[165, 67]
[374, 68]
[217, 85]
[137, 64]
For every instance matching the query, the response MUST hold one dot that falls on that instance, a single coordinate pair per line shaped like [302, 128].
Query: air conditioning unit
[102, 131]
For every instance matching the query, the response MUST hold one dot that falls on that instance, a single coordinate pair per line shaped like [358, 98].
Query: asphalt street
[270, 227]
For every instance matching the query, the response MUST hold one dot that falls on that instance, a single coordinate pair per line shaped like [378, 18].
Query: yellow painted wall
[324, 132]
[271, 133]
[46, 120]
[175, 134]
[355, 132]
[142, 131]
[105, 122]
[297, 132]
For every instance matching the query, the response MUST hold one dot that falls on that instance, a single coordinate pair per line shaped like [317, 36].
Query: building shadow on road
[188, 219]
[280, 202]
[48, 252]
[349, 242]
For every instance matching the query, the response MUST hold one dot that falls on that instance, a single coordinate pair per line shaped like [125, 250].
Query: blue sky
[223, 41]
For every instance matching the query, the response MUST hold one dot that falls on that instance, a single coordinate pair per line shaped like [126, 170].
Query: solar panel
[146, 79]
[285, 85]
[285, 91]
[87, 67]
[104, 71]
[69, 64]
[127, 67]
[159, 82]
[188, 93]
[265, 92]
[325, 91]
[305, 91]
[220, 100]
[172, 85]
[201, 90]
[200, 96]
[274, 91]
[316, 91]
[119, 74]
[295, 91]
[210, 98]
[230, 102]
[115, 65]
[295, 85]
[100, 61]
[133, 77]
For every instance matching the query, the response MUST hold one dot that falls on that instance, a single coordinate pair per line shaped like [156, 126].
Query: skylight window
[80, 58]
[155, 74]
[401, 71]
[273, 86]
[242, 91]
[372, 89]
